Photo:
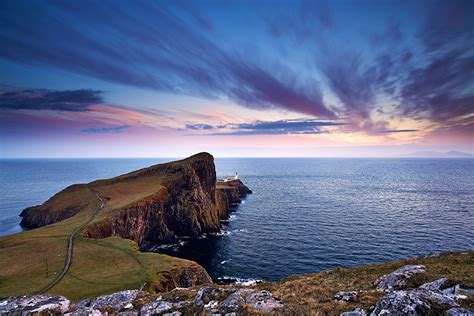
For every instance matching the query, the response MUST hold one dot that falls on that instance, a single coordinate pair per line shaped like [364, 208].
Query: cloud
[280, 127]
[198, 127]
[400, 131]
[147, 52]
[100, 130]
[42, 99]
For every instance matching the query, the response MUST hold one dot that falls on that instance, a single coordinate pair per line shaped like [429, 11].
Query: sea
[305, 215]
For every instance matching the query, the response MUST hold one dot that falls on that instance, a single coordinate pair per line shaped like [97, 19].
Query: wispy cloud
[280, 127]
[100, 130]
[42, 99]
[400, 131]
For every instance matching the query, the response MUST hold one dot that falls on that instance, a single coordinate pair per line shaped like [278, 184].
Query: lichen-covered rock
[263, 301]
[234, 302]
[350, 296]
[355, 312]
[459, 311]
[30, 304]
[401, 278]
[160, 306]
[117, 301]
[435, 285]
[414, 302]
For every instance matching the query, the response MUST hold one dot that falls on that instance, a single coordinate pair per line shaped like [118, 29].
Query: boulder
[234, 302]
[159, 306]
[346, 296]
[414, 302]
[458, 311]
[435, 285]
[117, 301]
[263, 301]
[34, 304]
[402, 278]
[355, 312]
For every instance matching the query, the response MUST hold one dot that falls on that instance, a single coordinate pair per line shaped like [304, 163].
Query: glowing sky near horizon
[235, 78]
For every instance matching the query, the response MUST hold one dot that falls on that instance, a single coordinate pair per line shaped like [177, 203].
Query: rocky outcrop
[183, 277]
[414, 302]
[405, 296]
[34, 304]
[203, 301]
[404, 277]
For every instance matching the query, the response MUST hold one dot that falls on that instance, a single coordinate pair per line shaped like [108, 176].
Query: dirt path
[70, 245]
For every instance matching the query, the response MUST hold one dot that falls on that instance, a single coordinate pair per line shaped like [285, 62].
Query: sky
[235, 78]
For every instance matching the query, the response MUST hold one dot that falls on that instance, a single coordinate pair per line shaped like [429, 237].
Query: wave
[238, 281]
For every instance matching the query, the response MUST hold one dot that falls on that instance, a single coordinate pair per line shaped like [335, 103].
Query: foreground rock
[402, 278]
[414, 302]
[206, 300]
[30, 304]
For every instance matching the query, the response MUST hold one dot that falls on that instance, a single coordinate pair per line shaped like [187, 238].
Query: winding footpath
[70, 246]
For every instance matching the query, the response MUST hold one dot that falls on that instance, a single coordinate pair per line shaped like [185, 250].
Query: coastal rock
[414, 302]
[234, 302]
[263, 301]
[402, 278]
[435, 285]
[355, 312]
[346, 296]
[30, 304]
[160, 306]
[117, 301]
[459, 311]
[186, 276]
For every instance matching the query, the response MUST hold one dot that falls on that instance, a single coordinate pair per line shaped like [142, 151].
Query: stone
[117, 301]
[459, 311]
[346, 296]
[355, 312]
[234, 302]
[400, 278]
[160, 306]
[413, 302]
[435, 285]
[263, 301]
[42, 303]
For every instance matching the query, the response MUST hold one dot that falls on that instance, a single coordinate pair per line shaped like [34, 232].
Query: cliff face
[180, 199]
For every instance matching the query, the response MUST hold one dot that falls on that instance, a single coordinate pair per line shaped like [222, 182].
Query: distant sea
[306, 214]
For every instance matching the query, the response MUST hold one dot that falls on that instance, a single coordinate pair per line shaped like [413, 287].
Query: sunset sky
[235, 78]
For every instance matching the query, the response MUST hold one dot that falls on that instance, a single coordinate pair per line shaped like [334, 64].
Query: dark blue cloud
[43, 99]
[101, 130]
[280, 127]
[400, 131]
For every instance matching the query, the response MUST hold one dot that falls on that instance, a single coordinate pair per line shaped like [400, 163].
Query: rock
[414, 302]
[263, 301]
[199, 299]
[117, 301]
[401, 278]
[159, 306]
[173, 314]
[435, 285]
[355, 312]
[458, 311]
[346, 296]
[234, 302]
[34, 304]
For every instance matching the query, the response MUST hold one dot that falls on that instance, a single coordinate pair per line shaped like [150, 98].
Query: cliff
[153, 205]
